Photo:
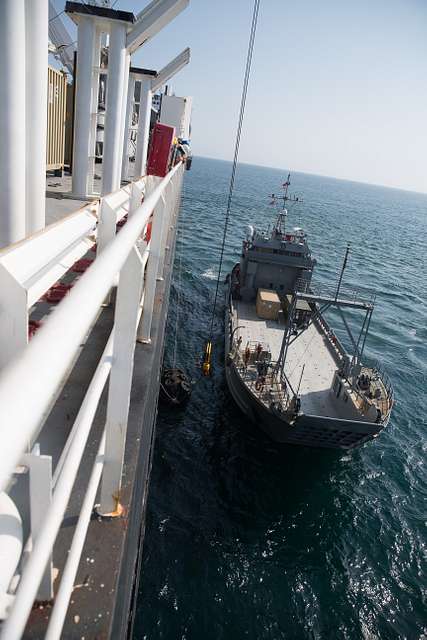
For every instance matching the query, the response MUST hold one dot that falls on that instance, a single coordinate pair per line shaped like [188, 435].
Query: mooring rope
[233, 171]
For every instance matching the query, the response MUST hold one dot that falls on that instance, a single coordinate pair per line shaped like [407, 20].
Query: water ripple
[247, 539]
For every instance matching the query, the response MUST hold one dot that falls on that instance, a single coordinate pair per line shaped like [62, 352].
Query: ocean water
[249, 539]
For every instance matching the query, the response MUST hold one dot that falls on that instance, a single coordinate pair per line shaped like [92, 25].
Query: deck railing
[329, 291]
[34, 372]
[273, 389]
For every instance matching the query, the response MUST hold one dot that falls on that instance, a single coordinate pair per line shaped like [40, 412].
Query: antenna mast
[344, 264]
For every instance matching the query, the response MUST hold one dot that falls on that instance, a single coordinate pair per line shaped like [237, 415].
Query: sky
[338, 87]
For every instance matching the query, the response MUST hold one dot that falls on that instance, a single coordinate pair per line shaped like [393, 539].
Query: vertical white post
[13, 317]
[113, 135]
[106, 226]
[12, 121]
[123, 116]
[36, 28]
[169, 213]
[143, 127]
[40, 499]
[174, 198]
[136, 198]
[159, 216]
[94, 111]
[125, 319]
[128, 124]
[82, 117]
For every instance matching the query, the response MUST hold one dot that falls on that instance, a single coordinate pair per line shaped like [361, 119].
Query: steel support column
[143, 126]
[12, 121]
[36, 55]
[82, 118]
[96, 61]
[118, 61]
[128, 123]
[159, 221]
[125, 325]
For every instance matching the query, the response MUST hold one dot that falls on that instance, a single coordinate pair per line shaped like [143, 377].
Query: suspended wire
[236, 152]
[57, 16]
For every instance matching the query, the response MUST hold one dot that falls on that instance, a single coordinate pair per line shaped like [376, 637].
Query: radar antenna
[283, 212]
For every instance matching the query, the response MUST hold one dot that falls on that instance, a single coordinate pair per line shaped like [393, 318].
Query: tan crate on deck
[268, 304]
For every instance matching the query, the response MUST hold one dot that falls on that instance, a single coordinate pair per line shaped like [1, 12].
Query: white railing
[25, 397]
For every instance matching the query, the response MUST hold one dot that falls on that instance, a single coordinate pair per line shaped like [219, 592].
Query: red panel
[57, 292]
[160, 150]
[81, 265]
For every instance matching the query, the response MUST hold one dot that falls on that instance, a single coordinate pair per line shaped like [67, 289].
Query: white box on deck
[176, 112]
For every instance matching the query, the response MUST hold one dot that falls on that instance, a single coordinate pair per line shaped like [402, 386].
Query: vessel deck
[111, 552]
[311, 349]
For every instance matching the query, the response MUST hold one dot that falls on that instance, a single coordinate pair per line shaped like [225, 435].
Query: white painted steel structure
[130, 107]
[176, 112]
[36, 68]
[86, 97]
[86, 102]
[118, 74]
[12, 120]
[149, 85]
[25, 398]
[152, 19]
[23, 104]
[125, 39]
[61, 39]
[143, 125]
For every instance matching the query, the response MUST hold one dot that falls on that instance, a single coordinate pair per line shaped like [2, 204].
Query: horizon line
[318, 175]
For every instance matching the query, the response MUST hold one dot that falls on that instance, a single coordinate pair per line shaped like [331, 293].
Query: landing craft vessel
[285, 366]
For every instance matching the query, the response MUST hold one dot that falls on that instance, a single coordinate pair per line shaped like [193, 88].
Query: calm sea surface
[249, 539]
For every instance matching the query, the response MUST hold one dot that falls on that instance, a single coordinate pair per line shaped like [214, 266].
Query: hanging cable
[206, 367]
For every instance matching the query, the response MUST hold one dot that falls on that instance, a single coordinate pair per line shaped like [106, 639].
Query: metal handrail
[244, 373]
[346, 293]
[25, 398]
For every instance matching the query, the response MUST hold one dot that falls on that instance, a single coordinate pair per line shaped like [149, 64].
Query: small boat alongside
[285, 366]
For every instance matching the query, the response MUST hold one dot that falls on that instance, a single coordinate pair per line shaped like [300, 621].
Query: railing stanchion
[144, 329]
[13, 317]
[106, 226]
[125, 325]
[40, 490]
[167, 222]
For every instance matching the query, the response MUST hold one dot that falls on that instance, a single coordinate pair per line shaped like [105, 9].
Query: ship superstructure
[84, 294]
[285, 366]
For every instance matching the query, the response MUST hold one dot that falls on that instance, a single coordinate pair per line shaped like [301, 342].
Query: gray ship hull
[306, 430]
